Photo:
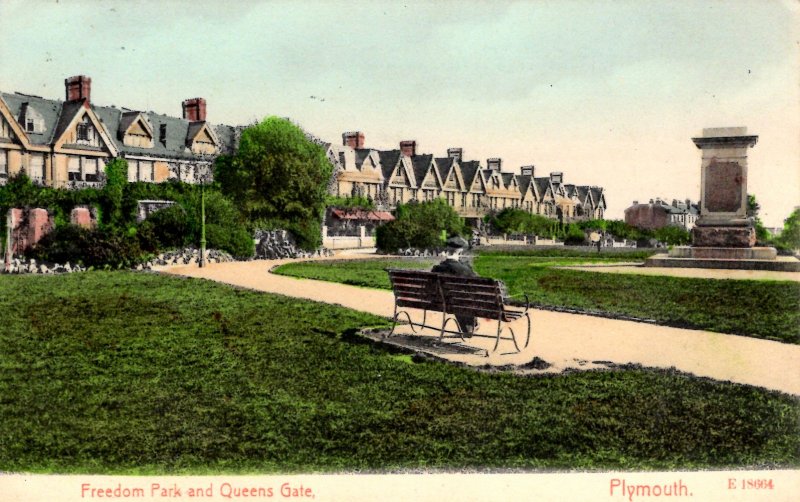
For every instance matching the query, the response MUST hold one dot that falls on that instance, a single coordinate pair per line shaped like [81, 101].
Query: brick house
[657, 213]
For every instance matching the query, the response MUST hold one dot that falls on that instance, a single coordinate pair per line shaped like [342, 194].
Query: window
[30, 125]
[74, 168]
[3, 164]
[83, 132]
[90, 169]
[145, 170]
[36, 166]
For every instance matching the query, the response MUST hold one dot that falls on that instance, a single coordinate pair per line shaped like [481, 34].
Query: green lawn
[760, 309]
[119, 372]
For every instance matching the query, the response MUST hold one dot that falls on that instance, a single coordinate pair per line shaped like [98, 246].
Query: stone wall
[275, 244]
[147, 207]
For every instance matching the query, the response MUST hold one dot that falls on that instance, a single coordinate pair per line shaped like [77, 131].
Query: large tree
[278, 178]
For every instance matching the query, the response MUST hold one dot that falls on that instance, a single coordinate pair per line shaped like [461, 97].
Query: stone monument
[724, 235]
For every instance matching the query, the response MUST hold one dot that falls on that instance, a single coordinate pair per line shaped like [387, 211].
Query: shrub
[672, 235]
[170, 227]
[420, 225]
[574, 236]
[92, 248]
[236, 241]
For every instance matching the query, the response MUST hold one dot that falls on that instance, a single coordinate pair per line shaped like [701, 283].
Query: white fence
[362, 240]
[521, 240]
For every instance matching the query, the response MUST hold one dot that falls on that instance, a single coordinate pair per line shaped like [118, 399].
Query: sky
[609, 93]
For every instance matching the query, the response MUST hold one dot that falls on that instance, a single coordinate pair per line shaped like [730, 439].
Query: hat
[456, 242]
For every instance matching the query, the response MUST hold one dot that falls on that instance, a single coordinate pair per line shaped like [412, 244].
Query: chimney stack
[408, 148]
[455, 153]
[494, 163]
[353, 139]
[636, 203]
[78, 87]
[194, 110]
[527, 171]
[557, 177]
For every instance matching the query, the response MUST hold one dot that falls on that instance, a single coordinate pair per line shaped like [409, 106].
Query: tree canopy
[420, 225]
[278, 178]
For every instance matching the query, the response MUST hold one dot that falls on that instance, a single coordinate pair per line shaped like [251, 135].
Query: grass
[759, 309]
[137, 373]
[612, 254]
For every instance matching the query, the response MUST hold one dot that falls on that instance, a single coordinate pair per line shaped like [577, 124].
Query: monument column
[724, 236]
[723, 220]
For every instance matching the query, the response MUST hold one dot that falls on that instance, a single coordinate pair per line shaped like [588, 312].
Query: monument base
[687, 257]
[724, 237]
[716, 253]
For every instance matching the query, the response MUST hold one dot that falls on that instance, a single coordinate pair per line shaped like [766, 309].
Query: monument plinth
[724, 235]
[723, 220]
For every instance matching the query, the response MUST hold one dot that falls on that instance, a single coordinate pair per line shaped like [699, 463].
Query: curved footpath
[566, 341]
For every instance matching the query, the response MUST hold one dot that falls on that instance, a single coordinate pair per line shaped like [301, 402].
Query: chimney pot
[353, 139]
[456, 153]
[494, 163]
[194, 110]
[636, 203]
[78, 87]
[408, 148]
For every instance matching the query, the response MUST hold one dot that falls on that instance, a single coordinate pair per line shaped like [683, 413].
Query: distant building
[658, 213]
[391, 177]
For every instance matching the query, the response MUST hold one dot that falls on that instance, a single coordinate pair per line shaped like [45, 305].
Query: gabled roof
[542, 185]
[469, 170]
[49, 110]
[443, 164]
[597, 196]
[68, 112]
[448, 166]
[508, 179]
[58, 115]
[389, 160]
[195, 128]
[128, 119]
[17, 131]
[421, 165]
[585, 195]
[524, 184]
[361, 156]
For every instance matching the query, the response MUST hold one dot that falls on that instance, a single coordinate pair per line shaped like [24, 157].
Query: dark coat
[454, 267]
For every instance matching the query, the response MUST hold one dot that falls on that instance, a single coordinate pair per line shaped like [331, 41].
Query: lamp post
[202, 262]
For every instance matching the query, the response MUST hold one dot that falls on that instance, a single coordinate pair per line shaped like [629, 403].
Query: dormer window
[31, 120]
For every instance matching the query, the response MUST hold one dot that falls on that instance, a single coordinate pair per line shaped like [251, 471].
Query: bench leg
[445, 320]
[499, 330]
[528, 335]
[396, 317]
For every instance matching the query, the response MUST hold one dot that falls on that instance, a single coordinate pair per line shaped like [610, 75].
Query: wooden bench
[452, 296]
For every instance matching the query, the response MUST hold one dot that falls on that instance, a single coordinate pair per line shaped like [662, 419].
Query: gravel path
[565, 341]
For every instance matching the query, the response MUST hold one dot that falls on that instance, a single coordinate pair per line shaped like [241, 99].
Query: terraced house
[68, 143]
[402, 175]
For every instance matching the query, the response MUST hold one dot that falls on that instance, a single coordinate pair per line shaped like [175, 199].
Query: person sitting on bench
[452, 266]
